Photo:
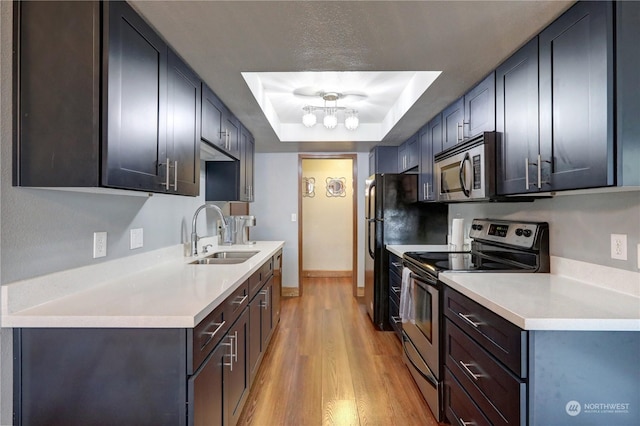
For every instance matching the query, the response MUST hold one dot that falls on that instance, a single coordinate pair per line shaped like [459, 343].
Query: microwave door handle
[463, 179]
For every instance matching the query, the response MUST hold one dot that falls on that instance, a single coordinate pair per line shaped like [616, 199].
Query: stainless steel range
[497, 246]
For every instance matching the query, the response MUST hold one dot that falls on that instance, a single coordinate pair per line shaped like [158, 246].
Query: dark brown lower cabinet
[144, 376]
[499, 374]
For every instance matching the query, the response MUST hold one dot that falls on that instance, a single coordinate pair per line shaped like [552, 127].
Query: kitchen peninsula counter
[166, 293]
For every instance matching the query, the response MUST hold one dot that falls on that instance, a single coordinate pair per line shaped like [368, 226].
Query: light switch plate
[136, 238]
[99, 244]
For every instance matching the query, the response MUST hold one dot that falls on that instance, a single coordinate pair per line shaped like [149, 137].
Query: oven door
[424, 331]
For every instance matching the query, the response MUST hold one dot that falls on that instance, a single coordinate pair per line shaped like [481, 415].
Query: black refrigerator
[393, 215]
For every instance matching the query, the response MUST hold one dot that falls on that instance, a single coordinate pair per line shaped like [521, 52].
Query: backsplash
[580, 225]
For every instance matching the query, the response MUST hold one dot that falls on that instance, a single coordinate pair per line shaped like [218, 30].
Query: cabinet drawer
[206, 336]
[500, 395]
[501, 338]
[394, 317]
[260, 277]
[459, 408]
[395, 264]
[236, 302]
[395, 285]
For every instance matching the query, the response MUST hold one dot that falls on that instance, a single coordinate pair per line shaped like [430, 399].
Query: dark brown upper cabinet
[220, 128]
[517, 118]
[576, 101]
[96, 98]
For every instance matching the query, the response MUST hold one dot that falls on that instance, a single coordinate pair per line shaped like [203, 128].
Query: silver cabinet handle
[397, 264]
[458, 131]
[526, 173]
[212, 333]
[241, 301]
[167, 166]
[424, 191]
[463, 423]
[265, 293]
[539, 172]
[235, 352]
[230, 344]
[471, 373]
[468, 320]
[175, 176]
[428, 190]
[395, 289]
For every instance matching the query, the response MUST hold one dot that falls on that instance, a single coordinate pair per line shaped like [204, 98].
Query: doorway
[327, 222]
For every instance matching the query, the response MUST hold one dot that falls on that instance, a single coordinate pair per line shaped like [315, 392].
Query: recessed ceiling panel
[381, 98]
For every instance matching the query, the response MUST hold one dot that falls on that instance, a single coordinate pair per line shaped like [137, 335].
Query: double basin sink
[225, 258]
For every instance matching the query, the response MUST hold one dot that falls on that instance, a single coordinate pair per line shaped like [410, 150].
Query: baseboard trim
[290, 292]
[326, 274]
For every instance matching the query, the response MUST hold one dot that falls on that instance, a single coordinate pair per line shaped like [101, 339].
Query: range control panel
[517, 234]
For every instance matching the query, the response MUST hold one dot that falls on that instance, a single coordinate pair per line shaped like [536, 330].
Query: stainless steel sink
[225, 258]
[233, 255]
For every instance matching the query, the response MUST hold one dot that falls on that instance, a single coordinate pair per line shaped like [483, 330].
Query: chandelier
[330, 114]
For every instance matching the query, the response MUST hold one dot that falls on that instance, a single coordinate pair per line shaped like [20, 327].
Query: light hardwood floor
[327, 365]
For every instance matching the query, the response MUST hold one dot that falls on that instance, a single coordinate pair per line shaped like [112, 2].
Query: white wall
[580, 225]
[276, 182]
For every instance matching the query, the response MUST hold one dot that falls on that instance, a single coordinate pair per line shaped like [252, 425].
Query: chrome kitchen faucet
[194, 235]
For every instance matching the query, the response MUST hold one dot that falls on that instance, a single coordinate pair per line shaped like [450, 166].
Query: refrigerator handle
[371, 220]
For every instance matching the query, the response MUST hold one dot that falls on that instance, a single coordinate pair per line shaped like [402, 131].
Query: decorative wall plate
[336, 187]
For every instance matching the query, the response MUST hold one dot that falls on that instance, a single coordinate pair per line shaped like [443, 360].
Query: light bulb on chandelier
[330, 119]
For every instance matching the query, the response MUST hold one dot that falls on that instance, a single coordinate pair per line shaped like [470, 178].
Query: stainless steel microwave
[466, 171]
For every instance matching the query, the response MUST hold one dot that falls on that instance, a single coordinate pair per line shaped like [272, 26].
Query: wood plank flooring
[327, 365]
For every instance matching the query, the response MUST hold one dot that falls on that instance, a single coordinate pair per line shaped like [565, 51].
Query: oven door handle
[429, 377]
[419, 280]
[462, 175]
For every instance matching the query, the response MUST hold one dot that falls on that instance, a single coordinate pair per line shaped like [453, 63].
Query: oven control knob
[527, 233]
[519, 232]
[476, 227]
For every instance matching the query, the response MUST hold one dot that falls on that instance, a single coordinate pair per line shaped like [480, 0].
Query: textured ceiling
[466, 40]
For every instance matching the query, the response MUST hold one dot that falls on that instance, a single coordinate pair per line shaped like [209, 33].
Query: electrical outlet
[619, 246]
[136, 239]
[99, 244]
[294, 217]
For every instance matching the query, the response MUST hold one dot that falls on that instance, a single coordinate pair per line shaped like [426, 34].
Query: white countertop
[170, 294]
[549, 301]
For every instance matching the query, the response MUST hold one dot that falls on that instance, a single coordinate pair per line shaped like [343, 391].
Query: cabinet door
[452, 129]
[206, 389]
[480, 108]
[212, 123]
[134, 147]
[383, 159]
[413, 152]
[277, 287]
[255, 339]
[402, 157]
[517, 119]
[576, 98]
[246, 165]
[266, 294]
[238, 375]
[231, 127]
[628, 101]
[183, 127]
[57, 65]
[430, 142]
